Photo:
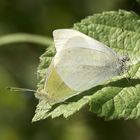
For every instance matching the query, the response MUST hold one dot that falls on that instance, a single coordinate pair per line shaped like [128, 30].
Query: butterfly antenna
[20, 89]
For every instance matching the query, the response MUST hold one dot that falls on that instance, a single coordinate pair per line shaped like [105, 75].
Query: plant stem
[23, 37]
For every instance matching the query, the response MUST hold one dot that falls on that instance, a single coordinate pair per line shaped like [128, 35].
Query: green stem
[23, 37]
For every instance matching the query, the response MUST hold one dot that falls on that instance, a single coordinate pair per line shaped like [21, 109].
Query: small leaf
[117, 98]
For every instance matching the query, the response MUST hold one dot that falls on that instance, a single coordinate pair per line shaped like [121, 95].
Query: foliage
[117, 98]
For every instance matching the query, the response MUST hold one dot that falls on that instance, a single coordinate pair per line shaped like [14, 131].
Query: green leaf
[117, 98]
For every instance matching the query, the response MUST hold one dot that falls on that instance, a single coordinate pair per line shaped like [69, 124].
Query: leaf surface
[117, 98]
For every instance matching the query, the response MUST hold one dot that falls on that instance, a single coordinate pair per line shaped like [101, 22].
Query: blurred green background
[18, 64]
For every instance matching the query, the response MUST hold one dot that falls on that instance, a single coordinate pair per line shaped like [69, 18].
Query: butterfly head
[122, 64]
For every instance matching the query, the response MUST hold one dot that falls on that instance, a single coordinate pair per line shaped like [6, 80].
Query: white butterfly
[80, 63]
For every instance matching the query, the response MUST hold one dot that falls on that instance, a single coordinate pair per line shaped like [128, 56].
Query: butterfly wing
[83, 68]
[55, 88]
[63, 36]
[79, 64]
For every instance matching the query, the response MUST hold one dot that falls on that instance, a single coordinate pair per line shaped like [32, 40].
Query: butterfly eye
[124, 58]
[127, 58]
